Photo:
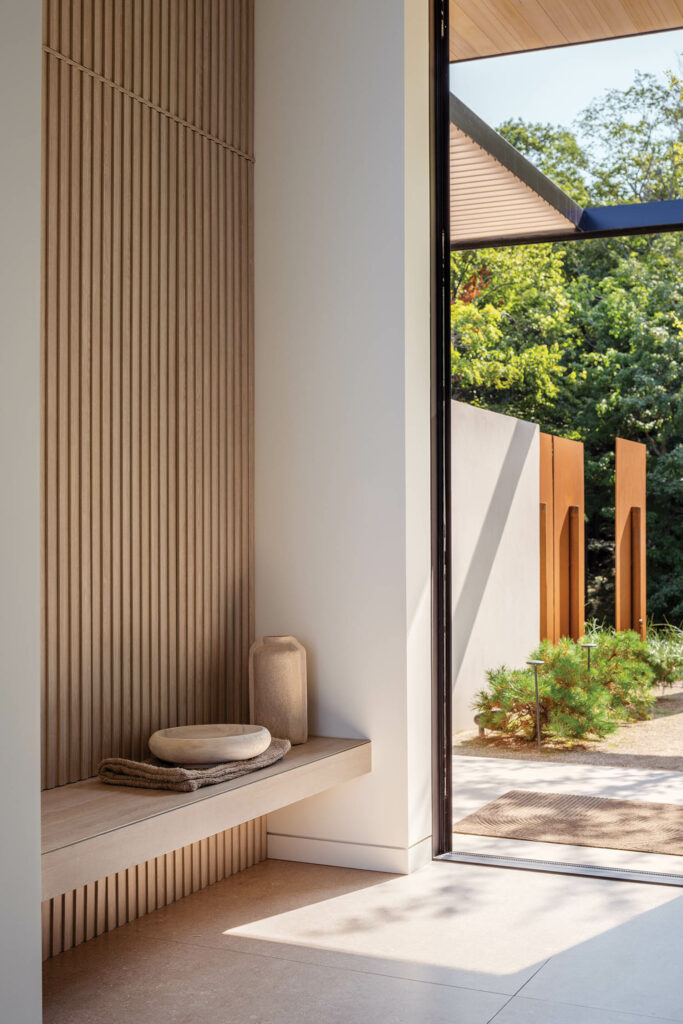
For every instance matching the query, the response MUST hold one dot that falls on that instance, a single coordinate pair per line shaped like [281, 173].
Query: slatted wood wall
[101, 906]
[147, 372]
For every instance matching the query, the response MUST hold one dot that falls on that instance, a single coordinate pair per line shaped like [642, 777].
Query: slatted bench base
[84, 913]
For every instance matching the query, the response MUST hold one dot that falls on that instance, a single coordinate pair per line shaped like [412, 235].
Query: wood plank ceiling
[491, 27]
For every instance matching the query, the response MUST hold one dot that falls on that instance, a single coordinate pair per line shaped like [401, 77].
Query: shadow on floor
[302, 943]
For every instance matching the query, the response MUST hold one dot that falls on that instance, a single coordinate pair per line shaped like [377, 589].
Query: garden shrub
[509, 703]
[663, 649]
[572, 704]
[621, 664]
[665, 653]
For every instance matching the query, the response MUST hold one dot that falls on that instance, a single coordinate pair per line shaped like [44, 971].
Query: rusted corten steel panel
[546, 537]
[630, 488]
[562, 561]
[568, 538]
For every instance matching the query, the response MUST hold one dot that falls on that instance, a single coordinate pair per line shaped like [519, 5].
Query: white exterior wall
[342, 485]
[20, 98]
[496, 548]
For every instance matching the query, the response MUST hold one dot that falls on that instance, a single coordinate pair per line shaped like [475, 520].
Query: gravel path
[656, 743]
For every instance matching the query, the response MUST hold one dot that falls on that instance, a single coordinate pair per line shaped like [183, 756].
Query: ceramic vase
[277, 687]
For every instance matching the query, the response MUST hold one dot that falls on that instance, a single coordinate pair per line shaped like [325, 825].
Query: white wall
[342, 402]
[20, 98]
[496, 553]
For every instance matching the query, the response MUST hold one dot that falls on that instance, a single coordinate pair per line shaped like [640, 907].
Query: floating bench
[91, 830]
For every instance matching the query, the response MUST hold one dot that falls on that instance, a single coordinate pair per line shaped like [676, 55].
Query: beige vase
[277, 687]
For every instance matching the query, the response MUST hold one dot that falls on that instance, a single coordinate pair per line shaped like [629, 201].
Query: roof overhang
[489, 28]
[498, 197]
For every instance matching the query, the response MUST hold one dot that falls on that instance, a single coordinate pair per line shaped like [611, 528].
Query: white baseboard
[420, 854]
[394, 860]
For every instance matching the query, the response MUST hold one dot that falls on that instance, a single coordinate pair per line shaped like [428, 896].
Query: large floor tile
[456, 924]
[128, 978]
[634, 967]
[535, 1011]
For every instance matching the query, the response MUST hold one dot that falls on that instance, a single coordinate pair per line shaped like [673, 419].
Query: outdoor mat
[579, 821]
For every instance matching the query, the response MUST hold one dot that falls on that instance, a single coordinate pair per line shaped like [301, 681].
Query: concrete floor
[477, 781]
[456, 943]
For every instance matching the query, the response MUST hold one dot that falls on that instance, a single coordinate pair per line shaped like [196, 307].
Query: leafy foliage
[555, 151]
[665, 653]
[621, 664]
[573, 704]
[509, 703]
[662, 651]
[634, 139]
[511, 318]
[586, 339]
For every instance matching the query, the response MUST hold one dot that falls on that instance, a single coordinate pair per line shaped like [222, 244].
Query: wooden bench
[91, 830]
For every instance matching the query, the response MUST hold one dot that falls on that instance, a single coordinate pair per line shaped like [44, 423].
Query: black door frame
[441, 434]
[441, 489]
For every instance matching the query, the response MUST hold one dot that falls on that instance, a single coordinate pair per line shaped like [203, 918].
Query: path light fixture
[538, 706]
[588, 648]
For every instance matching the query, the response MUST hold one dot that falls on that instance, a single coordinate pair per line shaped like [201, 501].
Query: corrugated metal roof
[495, 192]
[490, 201]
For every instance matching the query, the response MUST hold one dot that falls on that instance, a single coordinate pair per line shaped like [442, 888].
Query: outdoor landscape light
[588, 648]
[538, 707]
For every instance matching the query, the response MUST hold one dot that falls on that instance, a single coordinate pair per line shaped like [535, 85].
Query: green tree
[555, 151]
[511, 320]
[634, 139]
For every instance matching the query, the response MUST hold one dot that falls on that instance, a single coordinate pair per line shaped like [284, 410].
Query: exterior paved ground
[479, 780]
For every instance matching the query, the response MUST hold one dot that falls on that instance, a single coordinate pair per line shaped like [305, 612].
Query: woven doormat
[579, 821]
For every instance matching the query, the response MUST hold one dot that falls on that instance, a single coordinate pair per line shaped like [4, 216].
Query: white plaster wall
[496, 550]
[20, 98]
[342, 402]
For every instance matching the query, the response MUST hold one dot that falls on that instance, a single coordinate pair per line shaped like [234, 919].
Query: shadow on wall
[496, 560]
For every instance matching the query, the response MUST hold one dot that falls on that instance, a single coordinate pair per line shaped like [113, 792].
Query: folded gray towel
[156, 774]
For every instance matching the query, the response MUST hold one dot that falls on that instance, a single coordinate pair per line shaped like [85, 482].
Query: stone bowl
[209, 744]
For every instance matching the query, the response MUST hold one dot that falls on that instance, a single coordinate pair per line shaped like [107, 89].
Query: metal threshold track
[563, 868]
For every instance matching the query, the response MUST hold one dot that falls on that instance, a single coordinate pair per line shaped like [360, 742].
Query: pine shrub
[573, 702]
[509, 703]
[573, 705]
[621, 664]
[665, 653]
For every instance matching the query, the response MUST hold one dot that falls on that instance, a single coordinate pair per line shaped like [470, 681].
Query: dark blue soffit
[666, 215]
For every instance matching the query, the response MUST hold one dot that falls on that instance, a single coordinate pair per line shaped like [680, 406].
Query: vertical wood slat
[193, 58]
[147, 368]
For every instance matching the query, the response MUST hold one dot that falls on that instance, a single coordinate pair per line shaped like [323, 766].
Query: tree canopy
[586, 338]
